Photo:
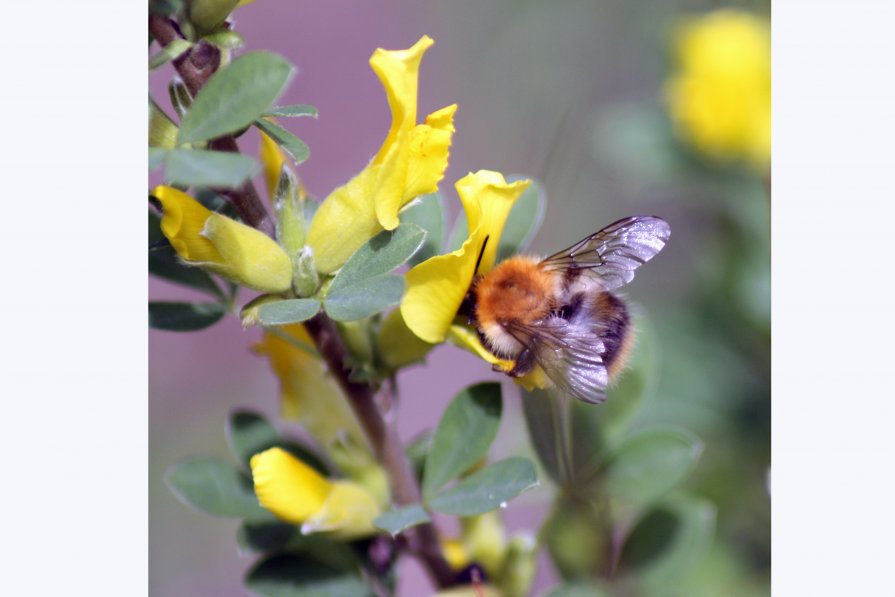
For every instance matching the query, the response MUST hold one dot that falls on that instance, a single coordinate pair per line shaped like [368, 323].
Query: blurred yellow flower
[719, 97]
[308, 393]
[221, 245]
[411, 162]
[272, 160]
[296, 493]
[436, 288]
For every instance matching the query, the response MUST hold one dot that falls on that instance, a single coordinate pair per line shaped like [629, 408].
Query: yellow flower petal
[272, 159]
[308, 393]
[224, 246]
[719, 98]
[415, 166]
[455, 553]
[289, 488]
[496, 197]
[411, 161]
[347, 512]
[398, 70]
[436, 287]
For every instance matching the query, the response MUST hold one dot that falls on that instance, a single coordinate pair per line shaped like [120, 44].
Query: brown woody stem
[383, 435]
[195, 67]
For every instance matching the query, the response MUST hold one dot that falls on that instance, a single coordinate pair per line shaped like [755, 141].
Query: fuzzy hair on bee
[559, 313]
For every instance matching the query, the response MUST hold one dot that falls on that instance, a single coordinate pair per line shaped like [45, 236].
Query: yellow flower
[308, 393]
[719, 99]
[411, 162]
[296, 493]
[221, 245]
[436, 287]
[272, 160]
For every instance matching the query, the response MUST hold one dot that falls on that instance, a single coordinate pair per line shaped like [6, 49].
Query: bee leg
[525, 362]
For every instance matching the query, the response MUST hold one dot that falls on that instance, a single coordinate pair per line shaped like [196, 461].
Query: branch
[195, 67]
[383, 436]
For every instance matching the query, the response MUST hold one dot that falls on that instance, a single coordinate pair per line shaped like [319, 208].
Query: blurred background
[591, 98]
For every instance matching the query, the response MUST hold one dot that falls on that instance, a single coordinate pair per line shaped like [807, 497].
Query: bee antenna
[481, 254]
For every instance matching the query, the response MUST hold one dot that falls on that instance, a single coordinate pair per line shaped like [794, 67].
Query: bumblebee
[560, 313]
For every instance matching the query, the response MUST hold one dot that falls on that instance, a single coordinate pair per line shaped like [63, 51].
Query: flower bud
[221, 245]
[208, 14]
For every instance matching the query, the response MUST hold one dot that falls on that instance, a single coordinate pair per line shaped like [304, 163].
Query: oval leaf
[162, 130]
[487, 489]
[205, 168]
[235, 96]
[364, 298]
[184, 317]
[650, 464]
[544, 423]
[288, 311]
[263, 537]
[693, 536]
[249, 433]
[292, 111]
[428, 212]
[216, 488]
[295, 576]
[400, 519]
[169, 52]
[465, 432]
[289, 142]
[380, 255]
[523, 220]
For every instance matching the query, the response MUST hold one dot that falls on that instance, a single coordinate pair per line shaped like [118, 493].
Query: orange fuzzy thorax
[517, 290]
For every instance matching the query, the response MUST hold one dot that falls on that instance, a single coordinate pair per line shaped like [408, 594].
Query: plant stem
[195, 67]
[383, 435]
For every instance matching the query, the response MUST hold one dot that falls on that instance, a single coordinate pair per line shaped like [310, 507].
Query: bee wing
[570, 355]
[613, 253]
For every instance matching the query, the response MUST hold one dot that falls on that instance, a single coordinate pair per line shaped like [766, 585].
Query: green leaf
[285, 139]
[170, 52]
[162, 130]
[380, 255]
[293, 576]
[263, 537]
[364, 298]
[694, 528]
[427, 212]
[579, 589]
[216, 488]
[487, 489]
[543, 420]
[184, 317]
[288, 311]
[226, 40]
[395, 521]
[156, 157]
[523, 220]
[653, 535]
[465, 432]
[163, 263]
[249, 433]
[200, 167]
[648, 465]
[235, 96]
[293, 111]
